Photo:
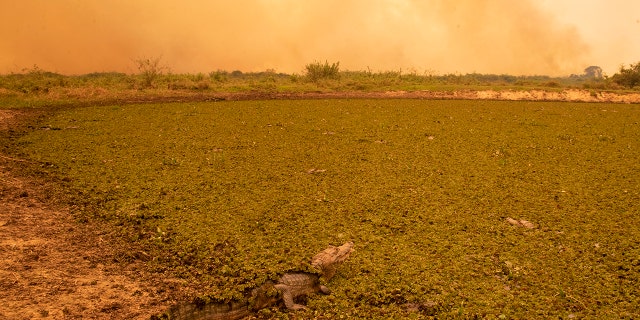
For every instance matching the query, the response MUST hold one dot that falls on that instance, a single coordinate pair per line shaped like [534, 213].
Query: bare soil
[572, 95]
[52, 267]
[569, 95]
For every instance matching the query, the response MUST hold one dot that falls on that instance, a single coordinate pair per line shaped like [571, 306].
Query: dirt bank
[573, 95]
[54, 268]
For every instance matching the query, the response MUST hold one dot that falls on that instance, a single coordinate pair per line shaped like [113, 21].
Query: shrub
[552, 84]
[33, 80]
[219, 75]
[150, 69]
[628, 77]
[317, 71]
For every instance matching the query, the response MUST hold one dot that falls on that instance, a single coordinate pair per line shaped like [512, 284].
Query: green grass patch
[229, 194]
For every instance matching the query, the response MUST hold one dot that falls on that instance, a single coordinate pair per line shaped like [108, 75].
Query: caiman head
[327, 261]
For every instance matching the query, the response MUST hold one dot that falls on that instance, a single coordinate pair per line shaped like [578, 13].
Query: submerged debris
[427, 308]
[521, 223]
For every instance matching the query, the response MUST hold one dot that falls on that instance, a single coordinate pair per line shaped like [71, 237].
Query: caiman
[287, 288]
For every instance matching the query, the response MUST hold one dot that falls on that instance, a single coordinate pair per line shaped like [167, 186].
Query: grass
[221, 193]
[36, 87]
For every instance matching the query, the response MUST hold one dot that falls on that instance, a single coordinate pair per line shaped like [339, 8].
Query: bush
[552, 84]
[150, 69]
[317, 71]
[219, 75]
[628, 77]
[34, 80]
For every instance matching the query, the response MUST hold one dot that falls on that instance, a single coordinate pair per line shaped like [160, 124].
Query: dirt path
[54, 268]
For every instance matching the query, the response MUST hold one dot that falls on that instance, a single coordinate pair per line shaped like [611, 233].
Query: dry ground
[54, 268]
[574, 95]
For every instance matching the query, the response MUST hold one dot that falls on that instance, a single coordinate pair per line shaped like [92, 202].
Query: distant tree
[628, 77]
[593, 72]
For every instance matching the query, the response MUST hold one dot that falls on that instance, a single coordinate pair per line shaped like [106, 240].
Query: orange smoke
[485, 36]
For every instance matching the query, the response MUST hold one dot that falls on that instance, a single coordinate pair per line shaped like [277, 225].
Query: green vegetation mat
[228, 194]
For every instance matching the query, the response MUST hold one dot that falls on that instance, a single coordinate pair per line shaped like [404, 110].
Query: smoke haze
[485, 36]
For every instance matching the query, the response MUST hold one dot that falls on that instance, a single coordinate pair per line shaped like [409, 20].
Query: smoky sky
[438, 36]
